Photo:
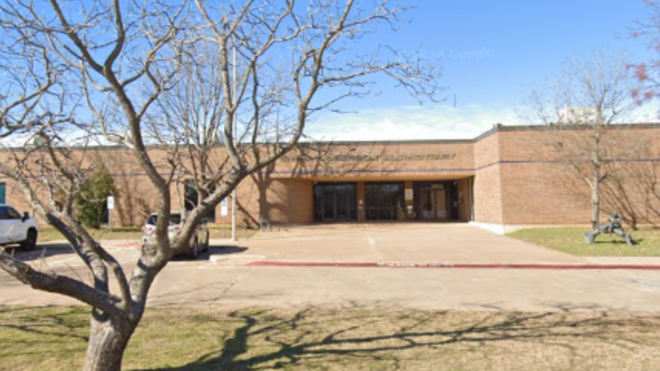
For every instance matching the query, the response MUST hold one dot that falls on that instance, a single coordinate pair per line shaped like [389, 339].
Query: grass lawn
[134, 233]
[54, 338]
[571, 240]
[124, 233]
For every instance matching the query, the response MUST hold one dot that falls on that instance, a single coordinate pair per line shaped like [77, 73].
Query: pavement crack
[231, 285]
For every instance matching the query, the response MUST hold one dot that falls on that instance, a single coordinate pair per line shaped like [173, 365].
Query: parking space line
[374, 247]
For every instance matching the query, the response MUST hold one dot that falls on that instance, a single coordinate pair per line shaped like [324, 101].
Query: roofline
[504, 128]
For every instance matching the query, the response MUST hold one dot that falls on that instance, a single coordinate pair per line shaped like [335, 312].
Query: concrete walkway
[220, 278]
[395, 242]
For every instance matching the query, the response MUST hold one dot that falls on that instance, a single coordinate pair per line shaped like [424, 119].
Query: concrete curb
[548, 266]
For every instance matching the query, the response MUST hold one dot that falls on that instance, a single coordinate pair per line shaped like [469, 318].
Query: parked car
[199, 241]
[16, 229]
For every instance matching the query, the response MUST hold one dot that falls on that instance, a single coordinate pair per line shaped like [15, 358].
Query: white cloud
[70, 137]
[429, 122]
[412, 122]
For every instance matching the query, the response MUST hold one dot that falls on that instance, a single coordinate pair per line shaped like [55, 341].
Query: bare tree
[580, 110]
[634, 191]
[128, 63]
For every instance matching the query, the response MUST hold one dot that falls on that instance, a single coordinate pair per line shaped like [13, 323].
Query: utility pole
[234, 131]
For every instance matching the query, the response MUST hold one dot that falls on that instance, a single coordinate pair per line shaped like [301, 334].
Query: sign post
[224, 212]
[110, 206]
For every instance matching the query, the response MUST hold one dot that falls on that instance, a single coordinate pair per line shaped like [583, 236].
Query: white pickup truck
[16, 229]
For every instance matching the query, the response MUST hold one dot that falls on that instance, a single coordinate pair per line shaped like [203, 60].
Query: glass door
[329, 205]
[384, 201]
[342, 208]
[335, 202]
[431, 200]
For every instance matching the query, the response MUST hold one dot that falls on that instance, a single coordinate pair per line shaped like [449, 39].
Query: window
[4, 215]
[174, 219]
[335, 202]
[191, 198]
[12, 214]
[384, 201]
[3, 187]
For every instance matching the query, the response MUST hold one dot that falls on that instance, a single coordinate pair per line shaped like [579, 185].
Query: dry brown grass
[350, 339]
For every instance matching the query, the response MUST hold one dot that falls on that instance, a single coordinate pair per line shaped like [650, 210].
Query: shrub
[91, 201]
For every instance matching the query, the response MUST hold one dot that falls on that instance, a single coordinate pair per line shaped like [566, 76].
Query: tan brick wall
[542, 194]
[487, 182]
[541, 189]
[282, 201]
[517, 179]
[376, 161]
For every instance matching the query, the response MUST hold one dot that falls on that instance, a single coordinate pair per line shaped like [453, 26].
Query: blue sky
[491, 52]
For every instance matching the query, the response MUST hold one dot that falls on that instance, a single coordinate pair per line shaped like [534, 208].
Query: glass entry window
[335, 202]
[385, 201]
[436, 200]
[433, 202]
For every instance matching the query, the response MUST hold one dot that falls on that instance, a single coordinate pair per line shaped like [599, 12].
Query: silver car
[199, 241]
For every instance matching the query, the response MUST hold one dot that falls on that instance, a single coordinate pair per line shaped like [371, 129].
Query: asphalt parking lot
[222, 277]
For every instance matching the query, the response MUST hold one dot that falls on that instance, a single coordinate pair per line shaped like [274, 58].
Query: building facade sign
[369, 158]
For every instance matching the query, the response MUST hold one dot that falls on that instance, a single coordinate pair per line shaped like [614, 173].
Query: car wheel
[30, 241]
[194, 250]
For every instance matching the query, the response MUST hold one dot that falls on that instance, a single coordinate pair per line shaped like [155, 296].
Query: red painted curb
[273, 263]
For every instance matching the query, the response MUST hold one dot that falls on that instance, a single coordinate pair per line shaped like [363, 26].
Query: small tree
[91, 200]
[580, 109]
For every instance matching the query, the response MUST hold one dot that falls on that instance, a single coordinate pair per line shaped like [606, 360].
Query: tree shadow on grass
[307, 339]
[49, 325]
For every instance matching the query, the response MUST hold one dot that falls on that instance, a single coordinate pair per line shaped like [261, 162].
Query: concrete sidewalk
[388, 242]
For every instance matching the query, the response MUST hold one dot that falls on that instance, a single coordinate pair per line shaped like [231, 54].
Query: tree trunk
[595, 204]
[108, 339]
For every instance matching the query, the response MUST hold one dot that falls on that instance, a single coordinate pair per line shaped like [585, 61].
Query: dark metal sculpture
[264, 223]
[613, 227]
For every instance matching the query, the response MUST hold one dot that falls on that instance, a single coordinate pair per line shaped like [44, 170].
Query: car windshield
[174, 219]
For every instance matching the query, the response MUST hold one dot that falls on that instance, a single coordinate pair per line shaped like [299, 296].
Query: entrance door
[440, 203]
[329, 204]
[342, 208]
[431, 200]
[384, 201]
[335, 202]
